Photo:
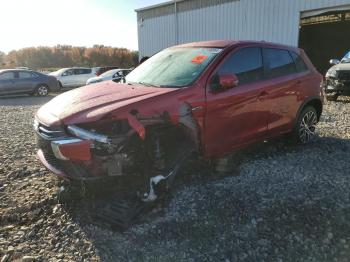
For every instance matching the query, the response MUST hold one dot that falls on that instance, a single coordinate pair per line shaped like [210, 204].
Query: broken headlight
[86, 134]
[331, 73]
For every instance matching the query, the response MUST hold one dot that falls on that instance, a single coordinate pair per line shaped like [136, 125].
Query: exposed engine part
[143, 172]
[151, 196]
[186, 118]
[115, 164]
[167, 180]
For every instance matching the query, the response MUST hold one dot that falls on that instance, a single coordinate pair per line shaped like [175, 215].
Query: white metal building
[280, 21]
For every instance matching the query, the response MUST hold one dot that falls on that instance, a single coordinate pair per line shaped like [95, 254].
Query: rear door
[282, 93]
[82, 75]
[239, 115]
[25, 82]
[7, 83]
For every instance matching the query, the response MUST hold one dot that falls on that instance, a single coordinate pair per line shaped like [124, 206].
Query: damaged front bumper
[333, 85]
[72, 157]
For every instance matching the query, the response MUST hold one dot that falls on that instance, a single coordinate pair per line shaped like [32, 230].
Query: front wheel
[42, 90]
[305, 128]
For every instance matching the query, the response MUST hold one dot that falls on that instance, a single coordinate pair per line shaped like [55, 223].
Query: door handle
[197, 108]
[262, 95]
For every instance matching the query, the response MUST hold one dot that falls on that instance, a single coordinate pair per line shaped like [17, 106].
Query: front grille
[45, 146]
[344, 75]
[44, 136]
[50, 133]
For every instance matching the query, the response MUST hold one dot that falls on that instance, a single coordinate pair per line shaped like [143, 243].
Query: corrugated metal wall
[269, 20]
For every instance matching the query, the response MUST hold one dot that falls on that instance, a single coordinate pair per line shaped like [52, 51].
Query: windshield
[173, 67]
[109, 73]
[346, 58]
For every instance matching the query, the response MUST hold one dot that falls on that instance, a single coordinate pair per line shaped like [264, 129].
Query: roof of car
[229, 43]
[15, 69]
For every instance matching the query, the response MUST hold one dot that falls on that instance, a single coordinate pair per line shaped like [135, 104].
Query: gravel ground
[276, 202]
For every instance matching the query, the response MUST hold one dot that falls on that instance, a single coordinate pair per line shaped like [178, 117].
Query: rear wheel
[304, 130]
[42, 90]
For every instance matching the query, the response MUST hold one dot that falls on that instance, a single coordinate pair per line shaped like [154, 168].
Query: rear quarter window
[279, 62]
[299, 62]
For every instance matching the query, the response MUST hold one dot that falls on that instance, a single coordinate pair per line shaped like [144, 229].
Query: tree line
[69, 56]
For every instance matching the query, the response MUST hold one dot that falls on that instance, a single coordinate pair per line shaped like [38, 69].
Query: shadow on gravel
[24, 100]
[341, 100]
[227, 223]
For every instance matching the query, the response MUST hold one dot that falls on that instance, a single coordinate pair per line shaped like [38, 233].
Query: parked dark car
[103, 69]
[208, 98]
[338, 78]
[17, 81]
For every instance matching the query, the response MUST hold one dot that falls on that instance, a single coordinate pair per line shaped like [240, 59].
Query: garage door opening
[325, 36]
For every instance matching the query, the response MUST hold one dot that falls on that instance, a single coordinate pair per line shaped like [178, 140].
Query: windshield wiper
[147, 84]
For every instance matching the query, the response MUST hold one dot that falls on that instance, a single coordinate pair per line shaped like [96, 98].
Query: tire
[42, 90]
[304, 130]
[60, 86]
[332, 97]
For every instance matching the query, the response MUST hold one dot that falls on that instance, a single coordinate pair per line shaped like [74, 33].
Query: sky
[27, 23]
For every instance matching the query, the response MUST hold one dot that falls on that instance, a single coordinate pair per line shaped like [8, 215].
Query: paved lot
[278, 202]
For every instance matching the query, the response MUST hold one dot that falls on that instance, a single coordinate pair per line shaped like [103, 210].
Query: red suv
[207, 97]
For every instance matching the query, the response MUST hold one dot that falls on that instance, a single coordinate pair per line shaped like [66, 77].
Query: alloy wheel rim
[42, 90]
[308, 126]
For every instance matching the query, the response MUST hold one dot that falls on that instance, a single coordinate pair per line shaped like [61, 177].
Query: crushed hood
[92, 102]
[342, 67]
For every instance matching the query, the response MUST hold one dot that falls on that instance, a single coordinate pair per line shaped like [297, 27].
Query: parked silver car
[73, 77]
[114, 74]
[17, 81]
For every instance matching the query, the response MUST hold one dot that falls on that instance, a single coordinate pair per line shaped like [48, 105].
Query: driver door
[67, 78]
[237, 116]
[7, 82]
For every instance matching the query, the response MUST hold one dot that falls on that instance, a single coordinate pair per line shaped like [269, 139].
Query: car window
[279, 61]
[25, 75]
[82, 71]
[7, 76]
[69, 72]
[346, 57]
[125, 72]
[246, 63]
[78, 71]
[299, 63]
[119, 73]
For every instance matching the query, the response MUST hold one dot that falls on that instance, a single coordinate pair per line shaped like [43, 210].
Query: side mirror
[334, 61]
[228, 81]
[223, 82]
